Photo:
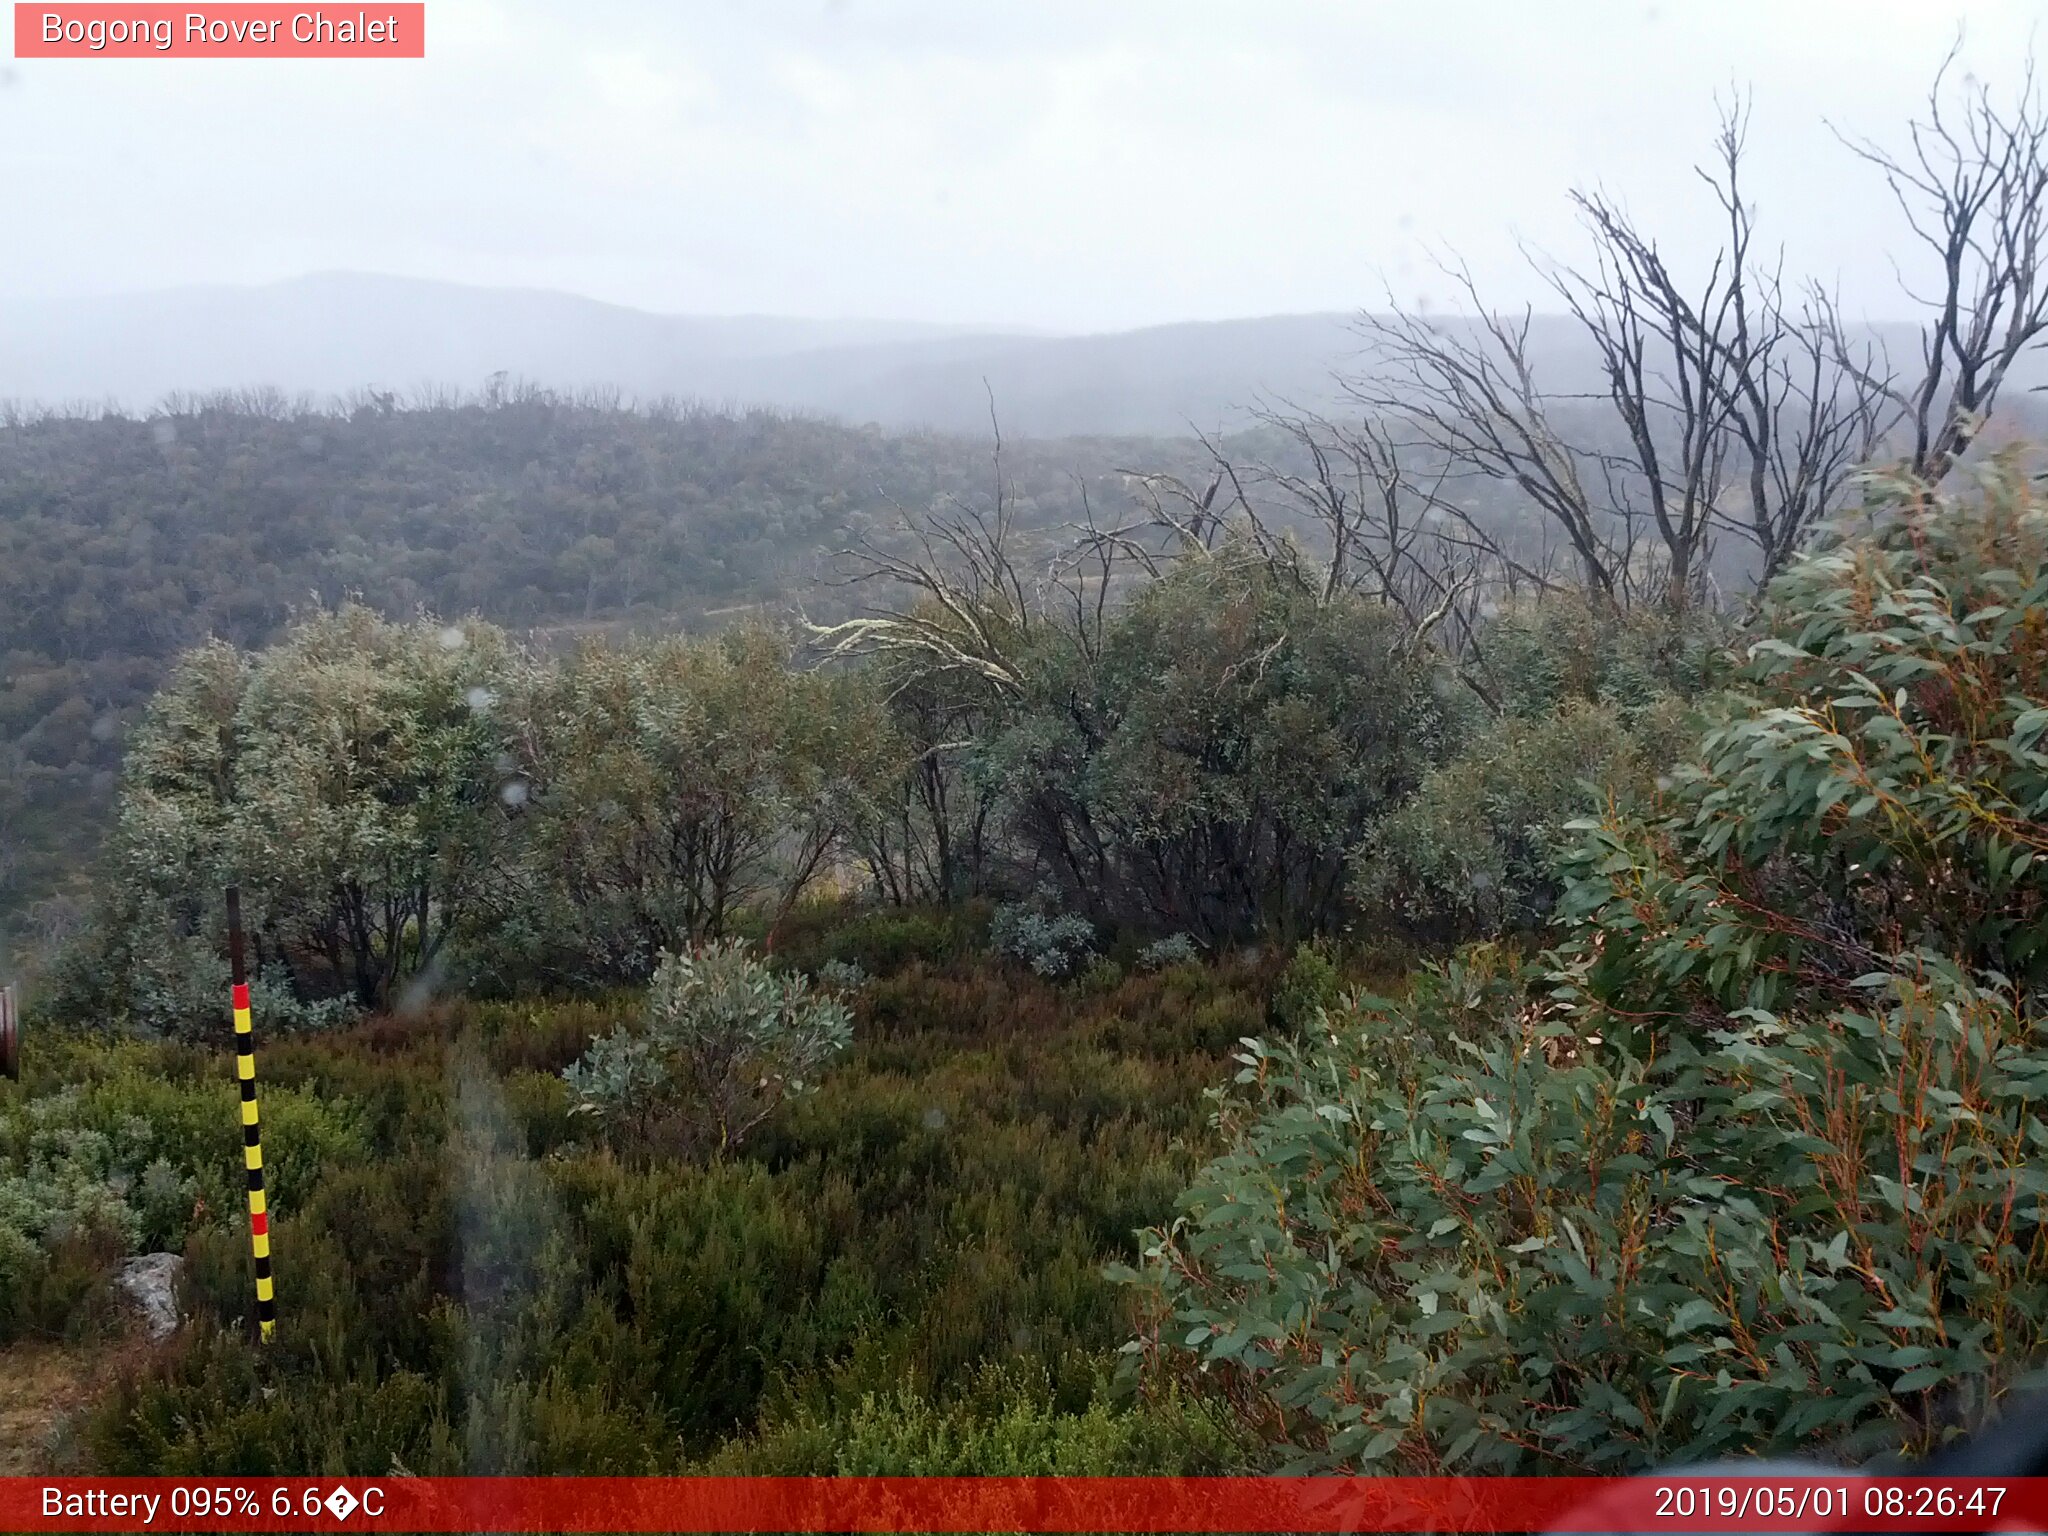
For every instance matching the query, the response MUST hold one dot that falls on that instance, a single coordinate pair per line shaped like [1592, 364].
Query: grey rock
[151, 1282]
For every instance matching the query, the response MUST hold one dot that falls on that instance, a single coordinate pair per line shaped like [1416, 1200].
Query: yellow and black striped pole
[252, 1133]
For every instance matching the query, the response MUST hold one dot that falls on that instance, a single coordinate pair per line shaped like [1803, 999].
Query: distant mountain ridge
[335, 333]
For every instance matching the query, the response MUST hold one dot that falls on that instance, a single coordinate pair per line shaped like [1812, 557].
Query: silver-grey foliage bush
[1054, 945]
[723, 1040]
[1174, 949]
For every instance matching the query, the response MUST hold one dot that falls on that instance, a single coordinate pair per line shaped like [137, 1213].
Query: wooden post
[10, 1036]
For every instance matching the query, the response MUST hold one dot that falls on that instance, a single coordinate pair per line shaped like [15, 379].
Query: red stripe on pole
[259, 1224]
[240, 996]
[1676, 1502]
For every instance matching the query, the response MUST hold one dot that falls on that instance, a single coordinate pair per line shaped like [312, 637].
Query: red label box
[235, 31]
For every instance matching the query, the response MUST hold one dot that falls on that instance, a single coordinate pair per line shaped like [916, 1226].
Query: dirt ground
[42, 1388]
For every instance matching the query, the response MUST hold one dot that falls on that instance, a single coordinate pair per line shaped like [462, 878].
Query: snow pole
[252, 1134]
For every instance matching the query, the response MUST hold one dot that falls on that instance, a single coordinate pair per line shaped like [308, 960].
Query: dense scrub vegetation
[792, 1043]
[1747, 1161]
[1739, 1161]
[692, 1226]
[901, 1272]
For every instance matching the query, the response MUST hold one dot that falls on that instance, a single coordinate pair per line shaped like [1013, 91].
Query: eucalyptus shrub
[355, 779]
[724, 1040]
[1748, 1164]
[1206, 763]
[1475, 850]
[1593, 706]
[1566, 648]
[678, 784]
[1882, 791]
[1540, 1252]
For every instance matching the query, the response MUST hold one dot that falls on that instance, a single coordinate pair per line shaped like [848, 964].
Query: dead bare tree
[1759, 384]
[1734, 407]
[1814, 409]
[951, 628]
[1336, 510]
[1973, 186]
[1468, 397]
[971, 609]
[1698, 377]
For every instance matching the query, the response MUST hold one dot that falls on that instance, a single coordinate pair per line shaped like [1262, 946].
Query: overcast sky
[1077, 166]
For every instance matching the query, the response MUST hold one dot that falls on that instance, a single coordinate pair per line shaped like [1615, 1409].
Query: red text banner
[1675, 1502]
[233, 31]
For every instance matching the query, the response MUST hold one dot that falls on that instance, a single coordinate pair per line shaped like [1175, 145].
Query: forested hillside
[124, 541]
